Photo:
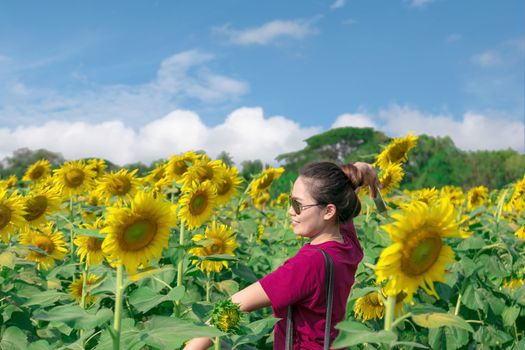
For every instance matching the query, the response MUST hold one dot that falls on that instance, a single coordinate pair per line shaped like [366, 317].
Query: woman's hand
[369, 177]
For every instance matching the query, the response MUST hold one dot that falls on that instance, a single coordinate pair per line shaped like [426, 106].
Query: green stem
[180, 266]
[208, 288]
[389, 312]
[118, 307]
[71, 245]
[458, 304]
[83, 297]
[401, 318]
[217, 343]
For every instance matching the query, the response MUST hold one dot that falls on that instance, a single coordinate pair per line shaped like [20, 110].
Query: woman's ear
[330, 212]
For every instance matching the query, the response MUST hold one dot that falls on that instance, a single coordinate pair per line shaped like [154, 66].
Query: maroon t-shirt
[300, 282]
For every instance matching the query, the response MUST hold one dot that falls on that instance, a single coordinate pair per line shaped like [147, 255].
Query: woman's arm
[249, 299]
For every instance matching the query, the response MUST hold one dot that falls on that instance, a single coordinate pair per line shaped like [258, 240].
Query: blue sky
[140, 80]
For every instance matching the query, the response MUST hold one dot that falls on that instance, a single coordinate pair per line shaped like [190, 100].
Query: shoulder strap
[329, 288]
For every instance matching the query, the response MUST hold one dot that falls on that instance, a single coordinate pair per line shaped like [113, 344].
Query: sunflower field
[98, 259]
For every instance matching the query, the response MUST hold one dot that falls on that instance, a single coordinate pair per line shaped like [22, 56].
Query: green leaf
[228, 287]
[63, 313]
[39, 345]
[436, 320]
[349, 337]
[129, 337]
[89, 233]
[45, 298]
[170, 333]
[245, 273]
[510, 314]
[145, 299]
[176, 293]
[13, 339]
[447, 338]
[92, 320]
[492, 337]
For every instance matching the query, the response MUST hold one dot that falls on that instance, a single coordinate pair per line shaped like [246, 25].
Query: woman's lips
[295, 223]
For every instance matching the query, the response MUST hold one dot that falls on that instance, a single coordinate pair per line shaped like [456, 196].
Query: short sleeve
[296, 280]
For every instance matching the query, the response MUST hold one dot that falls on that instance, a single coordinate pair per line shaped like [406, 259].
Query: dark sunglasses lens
[295, 205]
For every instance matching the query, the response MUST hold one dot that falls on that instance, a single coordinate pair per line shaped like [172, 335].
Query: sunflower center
[37, 173]
[35, 207]
[121, 186]
[180, 167]
[198, 203]
[138, 235]
[44, 243]
[215, 248]
[421, 255]
[224, 187]
[94, 244]
[5, 216]
[74, 178]
[265, 183]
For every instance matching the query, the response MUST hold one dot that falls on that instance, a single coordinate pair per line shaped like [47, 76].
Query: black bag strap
[329, 288]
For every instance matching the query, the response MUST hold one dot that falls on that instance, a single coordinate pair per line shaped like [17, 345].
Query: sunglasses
[298, 207]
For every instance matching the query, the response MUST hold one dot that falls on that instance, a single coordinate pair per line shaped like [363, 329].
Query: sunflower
[196, 205]
[227, 183]
[391, 177]
[202, 170]
[396, 151]
[11, 181]
[454, 194]
[178, 165]
[517, 200]
[226, 316]
[11, 213]
[426, 195]
[221, 241]
[45, 245]
[138, 233]
[75, 289]
[371, 306]
[158, 173]
[98, 166]
[38, 171]
[477, 196]
[120, 186]
[74, 178]
[89, 247]
[264, 180]
[39, 203]
[261, 199]
[418, 256]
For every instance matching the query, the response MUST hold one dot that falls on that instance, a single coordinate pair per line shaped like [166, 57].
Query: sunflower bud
[226, 316]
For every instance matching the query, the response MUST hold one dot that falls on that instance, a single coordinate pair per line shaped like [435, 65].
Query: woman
[323, 203]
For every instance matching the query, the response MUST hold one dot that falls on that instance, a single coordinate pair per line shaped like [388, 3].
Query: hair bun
[353, 174]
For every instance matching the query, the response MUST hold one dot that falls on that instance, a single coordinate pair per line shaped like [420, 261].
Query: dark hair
[332, 184]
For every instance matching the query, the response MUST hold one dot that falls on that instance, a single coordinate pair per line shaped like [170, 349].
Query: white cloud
[474, 131]
[180, 77]
[338, 4]
[357, 120]
[246, 134]
[487, 58]
[269, 32]
[418, 3]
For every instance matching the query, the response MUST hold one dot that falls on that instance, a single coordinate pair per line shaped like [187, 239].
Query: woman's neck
[330, 234]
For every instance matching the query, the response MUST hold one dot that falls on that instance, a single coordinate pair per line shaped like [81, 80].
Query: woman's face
[310, 221]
